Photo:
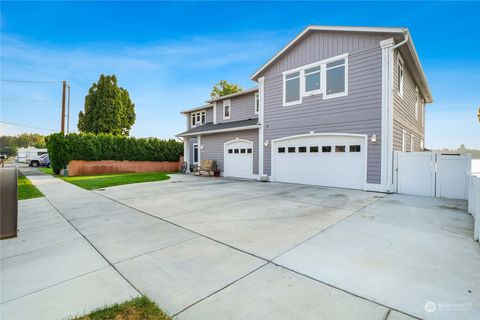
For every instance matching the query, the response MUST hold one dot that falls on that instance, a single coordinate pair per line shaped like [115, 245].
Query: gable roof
[197, 108]
[233, 95]
[397, 33]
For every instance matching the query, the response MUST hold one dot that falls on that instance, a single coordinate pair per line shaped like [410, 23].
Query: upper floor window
[257, 103]
[336, 78]
[292, 89]
[329, 77]
[312, 80]
[226, 109]
[400, 75]
[417, 103]
[198, 118]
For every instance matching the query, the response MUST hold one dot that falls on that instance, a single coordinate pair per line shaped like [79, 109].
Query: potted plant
[216, 170]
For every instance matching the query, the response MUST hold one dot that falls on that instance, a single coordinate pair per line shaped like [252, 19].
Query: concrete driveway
[207, 248]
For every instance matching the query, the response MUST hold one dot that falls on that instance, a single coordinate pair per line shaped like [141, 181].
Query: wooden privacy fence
[82, 168]
[474, 203]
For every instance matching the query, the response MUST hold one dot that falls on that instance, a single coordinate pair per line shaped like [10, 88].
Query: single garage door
[321, 159]
[238, 159]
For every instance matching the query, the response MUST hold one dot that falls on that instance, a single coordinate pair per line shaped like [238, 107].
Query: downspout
[390, 112]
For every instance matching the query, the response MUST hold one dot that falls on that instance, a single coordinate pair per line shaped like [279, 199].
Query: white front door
[238, 159]
[334, 160]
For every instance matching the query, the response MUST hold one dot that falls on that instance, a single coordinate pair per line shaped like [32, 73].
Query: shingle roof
[219, 127]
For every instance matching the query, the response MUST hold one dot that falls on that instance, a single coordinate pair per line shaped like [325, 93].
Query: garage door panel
[238, 159]
[334, 169]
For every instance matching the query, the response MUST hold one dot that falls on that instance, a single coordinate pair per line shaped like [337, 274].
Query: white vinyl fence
[432, 174]
[474, 203]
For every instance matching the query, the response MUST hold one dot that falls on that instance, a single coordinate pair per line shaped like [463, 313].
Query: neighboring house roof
[197, 108]
[221, 127]
[399, 32]
[234, 94]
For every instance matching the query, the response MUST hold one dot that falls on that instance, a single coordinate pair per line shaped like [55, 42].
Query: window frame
[225, 104]
[417, 103]
[400, 75]
[404, 146]
[323, 79]
[195, 146]
[194, 115]
[411, 142]
[257, 103]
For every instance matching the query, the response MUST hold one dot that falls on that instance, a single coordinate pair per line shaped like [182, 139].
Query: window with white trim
[226, 109]
[329, 77]
[312, 80]
[292, 88]
[198, 118]
[336, 78]
[417, 103]
[411, 142]
[257, 103]
[400, 75]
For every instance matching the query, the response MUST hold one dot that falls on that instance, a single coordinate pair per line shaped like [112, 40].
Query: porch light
[373, 138]
[201, 147]
[266, 143]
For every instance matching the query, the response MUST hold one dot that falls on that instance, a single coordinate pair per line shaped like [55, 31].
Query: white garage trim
[232, 172]
[363, 137]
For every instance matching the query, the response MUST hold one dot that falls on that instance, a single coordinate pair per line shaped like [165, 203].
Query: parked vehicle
[40, 161]
[29, 153]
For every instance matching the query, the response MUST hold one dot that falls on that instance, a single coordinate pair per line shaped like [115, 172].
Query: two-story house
[330, 109]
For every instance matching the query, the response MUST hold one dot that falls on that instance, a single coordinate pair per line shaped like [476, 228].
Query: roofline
[392, 30]
[325, 28]
[233, 95]
[416, 60]
[255, 126]
[197, 108]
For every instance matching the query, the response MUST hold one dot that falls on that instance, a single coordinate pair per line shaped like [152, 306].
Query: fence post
[476, 207]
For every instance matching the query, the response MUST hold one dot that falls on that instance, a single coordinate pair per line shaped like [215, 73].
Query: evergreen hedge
[62, 149]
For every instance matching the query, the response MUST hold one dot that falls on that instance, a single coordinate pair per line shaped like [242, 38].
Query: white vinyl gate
[432, 174]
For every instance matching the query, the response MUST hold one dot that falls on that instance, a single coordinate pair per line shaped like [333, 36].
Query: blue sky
[168, 55]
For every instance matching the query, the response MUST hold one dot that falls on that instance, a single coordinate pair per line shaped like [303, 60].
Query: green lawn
[26, 190]
[110, 180]
[137, 309]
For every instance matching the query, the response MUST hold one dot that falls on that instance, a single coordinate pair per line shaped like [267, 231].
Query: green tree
[108, 109]
[223, 88]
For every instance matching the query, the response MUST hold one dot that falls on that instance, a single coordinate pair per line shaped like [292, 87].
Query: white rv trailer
[25, 153]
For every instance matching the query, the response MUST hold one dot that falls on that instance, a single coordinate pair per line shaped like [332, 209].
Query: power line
[27, 100]
[22, 125]
[28, 81]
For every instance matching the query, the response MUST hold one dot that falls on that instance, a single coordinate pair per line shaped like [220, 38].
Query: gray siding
[209, 116]
[359, 112]
[241, 108]
[213, 146]
[404, 111]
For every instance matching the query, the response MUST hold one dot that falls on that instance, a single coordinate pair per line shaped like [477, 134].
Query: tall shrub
[74, 146]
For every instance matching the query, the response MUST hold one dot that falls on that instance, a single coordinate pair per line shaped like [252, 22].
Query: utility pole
[64, 89]
[68, 111]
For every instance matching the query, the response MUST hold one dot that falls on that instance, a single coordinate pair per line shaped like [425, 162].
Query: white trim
[261, 133]
[255, 126]
[274, 141]
[214, 113]
[404, 143]
[323, 79]
[196, 109]
[422, 147]
[400, 81]
[237, 140]
[233, 95]
[411, 142]
[398, 31]
[325, 28]
[228, 103]
[186, 152]
[199, 142]
[386, 139]
[257, 102]
[195, 114]
[417, 103]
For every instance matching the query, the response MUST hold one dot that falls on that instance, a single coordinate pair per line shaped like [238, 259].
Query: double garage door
[326, 160]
